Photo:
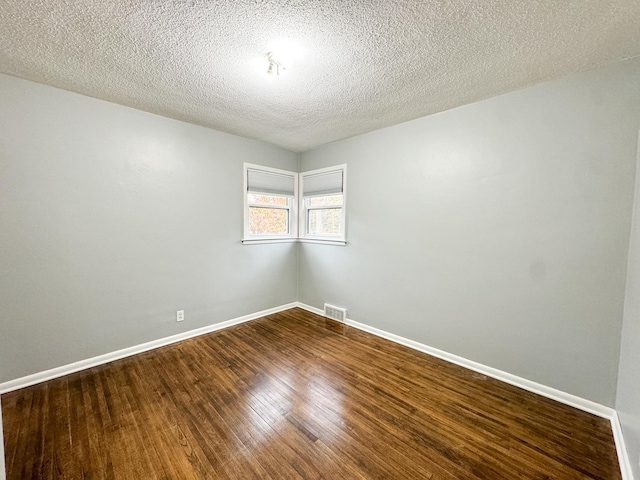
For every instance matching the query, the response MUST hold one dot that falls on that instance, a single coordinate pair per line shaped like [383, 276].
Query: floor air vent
[335, 313]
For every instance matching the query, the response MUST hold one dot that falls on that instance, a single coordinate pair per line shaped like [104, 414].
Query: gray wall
[111, 219]
[497, 231]
[628, 394]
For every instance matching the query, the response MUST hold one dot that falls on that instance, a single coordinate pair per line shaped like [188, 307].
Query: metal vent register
[335, 313]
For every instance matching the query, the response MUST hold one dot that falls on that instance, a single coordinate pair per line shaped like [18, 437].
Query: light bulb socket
[276, 66]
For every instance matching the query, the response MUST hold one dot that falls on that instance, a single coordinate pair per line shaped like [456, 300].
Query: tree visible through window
[268, 214]
[273, 198]
[270, 203]
[323, 213]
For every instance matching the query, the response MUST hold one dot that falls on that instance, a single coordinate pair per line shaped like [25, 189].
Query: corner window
[269, 203]
[281, 206]
[322, 210]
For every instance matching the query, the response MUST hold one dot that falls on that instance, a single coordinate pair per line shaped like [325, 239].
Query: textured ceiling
[357, 65]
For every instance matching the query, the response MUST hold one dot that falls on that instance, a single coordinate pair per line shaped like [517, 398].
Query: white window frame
[292, 207]
[304, 210]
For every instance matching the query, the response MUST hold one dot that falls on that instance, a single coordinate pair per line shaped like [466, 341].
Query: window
[322, 213]
[270, 204]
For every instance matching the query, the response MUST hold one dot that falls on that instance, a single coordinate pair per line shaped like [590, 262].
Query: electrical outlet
[179, 315]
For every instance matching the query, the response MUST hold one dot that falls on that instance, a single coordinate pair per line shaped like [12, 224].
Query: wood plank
[293, 395]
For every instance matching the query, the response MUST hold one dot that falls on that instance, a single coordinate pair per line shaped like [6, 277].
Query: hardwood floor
[292, 396]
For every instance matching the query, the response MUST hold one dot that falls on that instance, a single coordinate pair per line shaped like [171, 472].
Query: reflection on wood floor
[294, 396]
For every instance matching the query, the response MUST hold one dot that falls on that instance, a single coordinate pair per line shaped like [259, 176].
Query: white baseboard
[558, 395]
[549, 392]
[35, 378]
[623, 456]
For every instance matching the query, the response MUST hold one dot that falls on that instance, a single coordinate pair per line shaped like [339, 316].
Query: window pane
[325, 221]
[325, 201]
[267, 199]
[268, 221]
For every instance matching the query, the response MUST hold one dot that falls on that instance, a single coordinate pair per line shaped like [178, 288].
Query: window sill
[323, 241]
[293, 240]
[259, 241]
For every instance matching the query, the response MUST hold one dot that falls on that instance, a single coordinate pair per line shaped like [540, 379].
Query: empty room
[319, 239]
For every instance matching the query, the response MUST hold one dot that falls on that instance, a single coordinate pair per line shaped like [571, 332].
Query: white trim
[302, 209]
[552, 393]
[296, 209]
[249, 241]
[621, 448]
[543, 390]
[267, 205]
[323, 242]
[292, 206]
[549, 392]
[39, 377]
[558, 395]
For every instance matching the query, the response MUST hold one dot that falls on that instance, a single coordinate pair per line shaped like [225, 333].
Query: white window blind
[322, 183]
[260, 181]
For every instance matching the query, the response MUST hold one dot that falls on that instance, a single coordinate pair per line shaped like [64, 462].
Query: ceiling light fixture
[276, 65]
